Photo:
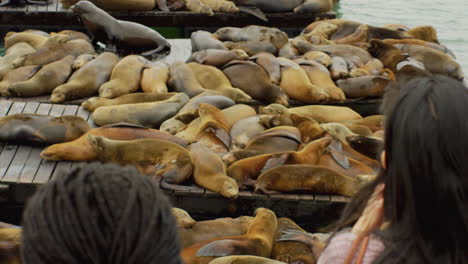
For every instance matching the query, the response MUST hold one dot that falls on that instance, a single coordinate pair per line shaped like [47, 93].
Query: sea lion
[399, 27]
[216, 57]
[198, 6]
[360, 35]
[434, 60]
[154, 78]
[270, 64]
[360, 130]
[142, 114]
[296, 83]
[258, 241]
[56, 48]
[202, 40]
[314, 242]
[369, 146]
[253, 33]
[353, 168]
[183, 80]
[314, 7]
[270, 7]
[73, 34]
[289, 251]
[255, 82]
[373, 67]
[244, 130]
[426, 33]
[45, 80]
[34, 40]
[338, 68]
[346, 150]
[125, 77]
[94, 103]
[307, 178]
[16, 51]
[81, 150]
[389, 55]
[86, 81]
[321, 77]
[41, 129]
[324, 30]
[209, 171]
[17, 75]
[138, 5]
[288, 51]
[319, 57]
[81, 61]
[227, 33]
[374, 122]
[221, 6]
[419, 42]
[364, 86]
[320, 113]
[246, 171]
[160, 158]
[275, 120]
[124, 35]
[277, 139]
[245, 260]
[211, 78]
[183, 219]
[237, 112]
[210, 229]
[309, 128]
[379, 134]
[338, 131]
[252, 47]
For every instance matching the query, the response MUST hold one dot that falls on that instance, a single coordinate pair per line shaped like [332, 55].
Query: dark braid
[101, 213]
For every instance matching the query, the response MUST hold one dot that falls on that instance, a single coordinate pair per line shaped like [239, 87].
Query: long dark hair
[101, 213]
[426, 193]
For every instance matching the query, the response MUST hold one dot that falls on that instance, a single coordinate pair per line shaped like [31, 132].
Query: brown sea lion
[314, 242]
[308, 178]
[252, 47]
[419, 42]
[348, 151]
[216, 57]
[275, 120]
[290, 251]
[41, 129]
[198, 6]
[32, 39]
[295, 82]
[211, 78]
[358, 36]
[369, 146]
[81, 150]
[277, 139]
[245, 260]
[389, 55]
[254, 81]
[314, 7]
[73, 34]
[202, 40]
[399, 27]
[353, 168]
[183, 219]
[154, 78]
[426, 33]
[253, 33]
[338, 68]
[309, 128]
[81, 61]
[258, 241]
[209, 171]
[319, 57]
[237, 112]
[221, 6]
[183, 80]
[246, 171]
[45, 80]
[373, 67]
[56, 48]
[142, 114]
[364, 86]
[360, 130]
[338, 131]
[17, 51]
[374, 122]
[320, 113]
[160, 158]
[93, 103]
[270, 64]
[138, 5]
[86, 81]
[210, 229]
[288, 51]
[17, 75]
[123, 35]
[348, 52]
[125, 77]
[321, 77]
[244, 130]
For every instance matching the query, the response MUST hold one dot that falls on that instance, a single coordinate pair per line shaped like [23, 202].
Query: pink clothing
[338, 249]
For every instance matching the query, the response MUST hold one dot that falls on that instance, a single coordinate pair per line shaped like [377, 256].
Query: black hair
[426, 193]
[100, 213]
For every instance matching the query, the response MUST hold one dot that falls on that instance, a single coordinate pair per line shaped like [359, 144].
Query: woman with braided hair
[101, 213]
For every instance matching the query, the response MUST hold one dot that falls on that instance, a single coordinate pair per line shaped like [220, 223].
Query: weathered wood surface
[54, 14]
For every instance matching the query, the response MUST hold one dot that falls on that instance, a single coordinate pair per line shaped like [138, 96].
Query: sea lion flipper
[340, 158]
[254, 12]
[162, 5]
[221, 248]
[275, 161]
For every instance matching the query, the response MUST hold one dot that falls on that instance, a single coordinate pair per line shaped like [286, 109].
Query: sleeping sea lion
[244, 130]
[364, 86]
[211, 78]
[154, 78]
[374, 122]
[81, 61]
[308, 178]
[202, 40]
[320, 113]
[94, 103]
[73, 34]
[309, 128]
[389, 55]
[183, 80]
[81, 150]
[253, 33]
[124, 35]
[275, 120]
[17, 75]
[198, 6]
[352, 167]
[221, 6]
[183, 219]
[252, 47]
[254, 81]
[338, 68]
[87, 80]
[288, 51]
[125, 77]
[319, 76]
[41, 129]
[216, 57]
[16, 51]
[319, 57]
[419, 42]
[270, 64]
[369, 146]
[209, 171]
[348, 52]
[338, 131]
[314, 7]
[45, 80]
[34, 40]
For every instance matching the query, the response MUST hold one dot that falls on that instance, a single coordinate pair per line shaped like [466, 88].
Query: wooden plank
[6, 157]
[5, 107]
[44, 109]
[322, 198]
[57, 110]
[31, 107]
[70, 110]
[339, 199]
[17, 108]
[83, 113]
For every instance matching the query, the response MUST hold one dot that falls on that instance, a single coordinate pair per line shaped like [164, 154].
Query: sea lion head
[241, 54]
[82, 7]
[230, 188]
[426, 33]
[274, 109]
[57, 96]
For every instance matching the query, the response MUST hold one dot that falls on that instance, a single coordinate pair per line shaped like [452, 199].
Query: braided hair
[99, 214]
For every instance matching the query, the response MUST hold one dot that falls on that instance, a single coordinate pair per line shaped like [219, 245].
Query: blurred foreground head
[101, 213]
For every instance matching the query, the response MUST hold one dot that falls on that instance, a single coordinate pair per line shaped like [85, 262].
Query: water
[449, 17]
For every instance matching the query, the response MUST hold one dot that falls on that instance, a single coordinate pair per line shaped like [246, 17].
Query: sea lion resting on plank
[124, 35]
[156, 157]
[17, 51]
[41, 129]
[17, 75]
[244, 130]
[216, 57]
[34, 40]
[320, 113]
[154, 78]
[94, 103]
[81, 150]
